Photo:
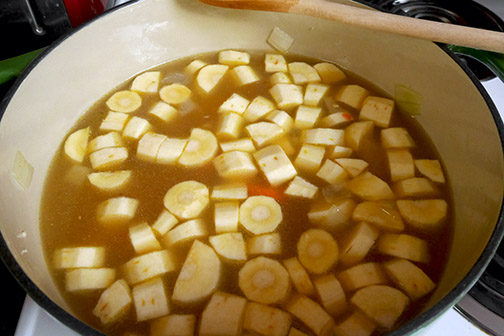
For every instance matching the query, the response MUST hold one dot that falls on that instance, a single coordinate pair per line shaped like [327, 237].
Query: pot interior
[80, 69]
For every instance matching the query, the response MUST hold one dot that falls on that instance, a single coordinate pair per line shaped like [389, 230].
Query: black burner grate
[460, 12]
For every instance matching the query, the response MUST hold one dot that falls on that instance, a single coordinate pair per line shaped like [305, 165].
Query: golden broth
[69, 202]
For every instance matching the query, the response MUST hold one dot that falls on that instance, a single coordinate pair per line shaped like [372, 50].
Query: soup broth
[307, 210]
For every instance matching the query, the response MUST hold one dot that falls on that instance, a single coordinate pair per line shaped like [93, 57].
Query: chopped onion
[280, 40]
[22, 171]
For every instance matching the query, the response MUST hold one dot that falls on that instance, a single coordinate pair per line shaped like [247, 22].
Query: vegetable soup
[240, 192]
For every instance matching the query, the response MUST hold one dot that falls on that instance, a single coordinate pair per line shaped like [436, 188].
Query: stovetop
[35, 321]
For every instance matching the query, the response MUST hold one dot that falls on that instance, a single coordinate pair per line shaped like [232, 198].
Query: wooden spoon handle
[391, 23]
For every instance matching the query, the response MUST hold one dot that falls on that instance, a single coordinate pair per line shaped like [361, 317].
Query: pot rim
[410, 327]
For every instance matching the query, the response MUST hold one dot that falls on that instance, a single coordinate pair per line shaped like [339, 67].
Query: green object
[494, 61]
[12, 67]
[408, 99]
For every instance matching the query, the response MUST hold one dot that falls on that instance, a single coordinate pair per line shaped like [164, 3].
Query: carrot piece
[266, 190]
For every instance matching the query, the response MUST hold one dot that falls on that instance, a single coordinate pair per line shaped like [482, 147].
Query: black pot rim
[411, 327]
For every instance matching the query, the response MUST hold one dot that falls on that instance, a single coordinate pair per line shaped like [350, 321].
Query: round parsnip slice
[260, 214]
[264, 280]
[425, 215]
[317, 250]
[187, 199]
[124, 101]
[201, 148]
[199, 276]
[110, 181]
[76, 144]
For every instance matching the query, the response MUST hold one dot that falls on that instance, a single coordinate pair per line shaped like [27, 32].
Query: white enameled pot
[77, 70]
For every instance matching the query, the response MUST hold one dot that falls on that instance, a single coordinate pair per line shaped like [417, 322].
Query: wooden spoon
[391, 23]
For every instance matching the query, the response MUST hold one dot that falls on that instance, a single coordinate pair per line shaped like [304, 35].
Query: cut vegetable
[396, 137]
[299, 276]
[265, 320]
[331, 294]
[88, 279]
[260, 214]
[199, 276]
[275, 164]
[76, 144]
[230, 126]
[116, 211]
[362, 275]
[148, 266]
[356, 132]
[381, 215]
[235, 103]
[410, 278]
[338, 119]
[303, 73]
[244, 75]
[266, 244]
[210, 75]
[124, 101]
[404, 246]
[317, 251]
[170, 150]
[280, 78]
[314, 94]
[332, 173]
[299, 187]
[370, 187]
[432, 169]
[150, 300]
[306, 116]
[110, 181]
[274, 63]
[235, 165]
[79, 257]
[352, 166]
[280, 40]
[135, 128]
[108, 158]
[258, 108]
[114, 302]
[148, 146]
[264, 132]
[230, 246]
[194, 66]
[324, 136]
[401, 164]
[329, 73]
[360, 240]
[377, 109]
[356, 324]
[352, 95]
[173, 325]
[242, 145]
[264, 280]
[201, 148]
[164, 112]
[111, 139]
[234, 191]
[164, 223]
[187, 199]
[146, 82]
[185, 232]
[226, 216]
[143, 239]
[286, 95]
[114, 121]
[424, 215]
[382, 304]
[174, 93]
[332, 216]
[281, 118]
[223, 316]
[234, 57]
[311, 314]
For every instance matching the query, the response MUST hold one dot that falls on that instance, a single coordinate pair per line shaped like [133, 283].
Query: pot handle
[494, 61]
[12, 67]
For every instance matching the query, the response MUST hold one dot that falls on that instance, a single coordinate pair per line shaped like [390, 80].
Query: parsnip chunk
[86, 279]
[111, 139]
[396, 137]
[194, 66]
[332, 173]
[303, 73]
[352, 166]
[135, 128]
[382, 304]
[281, 118]
[356, 324]
[401, 164]
[424, 215]
[170, 150]
[356, 132]
[165, 222]
[148, 146]
[265, 244]
[242, 145]
[311, 314]
[381, 215]
[338, 119]
[287, 95]
[146, 82]
[258, 108]
[280, 78]
[331, 294]
[377, 109]
[150, 300]
[309, 158]
[275, 63]
[185, 232]
[234, 57]
[432, 169]
[264, 132]
[409, 277]
[226, 215]
[314, 94]
[324, 136]
[143, 239]
[108, 158]
[332, 216]
[114, 121]
[299, 276]
[79, 257]
[275, 164]
[299, 187]
[173, 325]
[306, 116]
[210, 75]
[116, 211]
[329, 73]
[230, 126]
[114, 302]
[404, 246]
[235, 103]
[223, 316]
[370, 187]
[234, 191]
[148, 266]
[230, 246]
[235, 165]
[243, 75]
[352, 95]
[360, 240]
[362, 275]
[266, 320]
[164, 112]
[414, 187]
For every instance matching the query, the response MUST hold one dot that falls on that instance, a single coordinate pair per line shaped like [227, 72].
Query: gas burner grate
[460, 12]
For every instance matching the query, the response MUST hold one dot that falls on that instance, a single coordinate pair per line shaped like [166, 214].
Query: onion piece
[22, 171]
[280, 40]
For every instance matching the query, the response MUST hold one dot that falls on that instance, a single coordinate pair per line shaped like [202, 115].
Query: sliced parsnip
[382, 304]
[299, 187]
[185, 232]
[370, 187]
[418, 187]
[324, 136]
[234, 57]
[230, 246]
[309, 158]
[286, 95]
[79, 257]
[274, 63]
[199, 276]
[235, 103]
[275, 164]
[281, 118]
[265, 244]
[425, 215]
[226, 216]
[332, 173]
[114, 121]
[362, 275]
[194, 66]
[396, 137]
[260, 214]
[382, 215]
[164, 112]
[111, 139]
[242, 145]
[280, 78]
[306, 116]
[110, 181]
[124, 101]
[210, 75]
[114, 302]
[148, 146]
[332, 216]
[265, 320]
[187, 199]
[135, 128]
[331, 294]
[329, 73]
[317, 250]
[146, 82]
[311, 314]
[404, 246]
[258, 108]
[314, 94]
[352, 95]
[223, 316]
[354, 167]
[264, 280]
[360, 240]
[409, 277]
[244, 75]
[76, 144]
[299, 277]
[108, 158]
[377, 109]
[264, 132]
[151, 300]
[232, 191]
[164, 223]
[143, 239]
[337, 119]
[170, 150]
[432, 169]
[303, 73]
[235, 165]
[401, 164]
[356, 132]
[116, 211]
[148, 266]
